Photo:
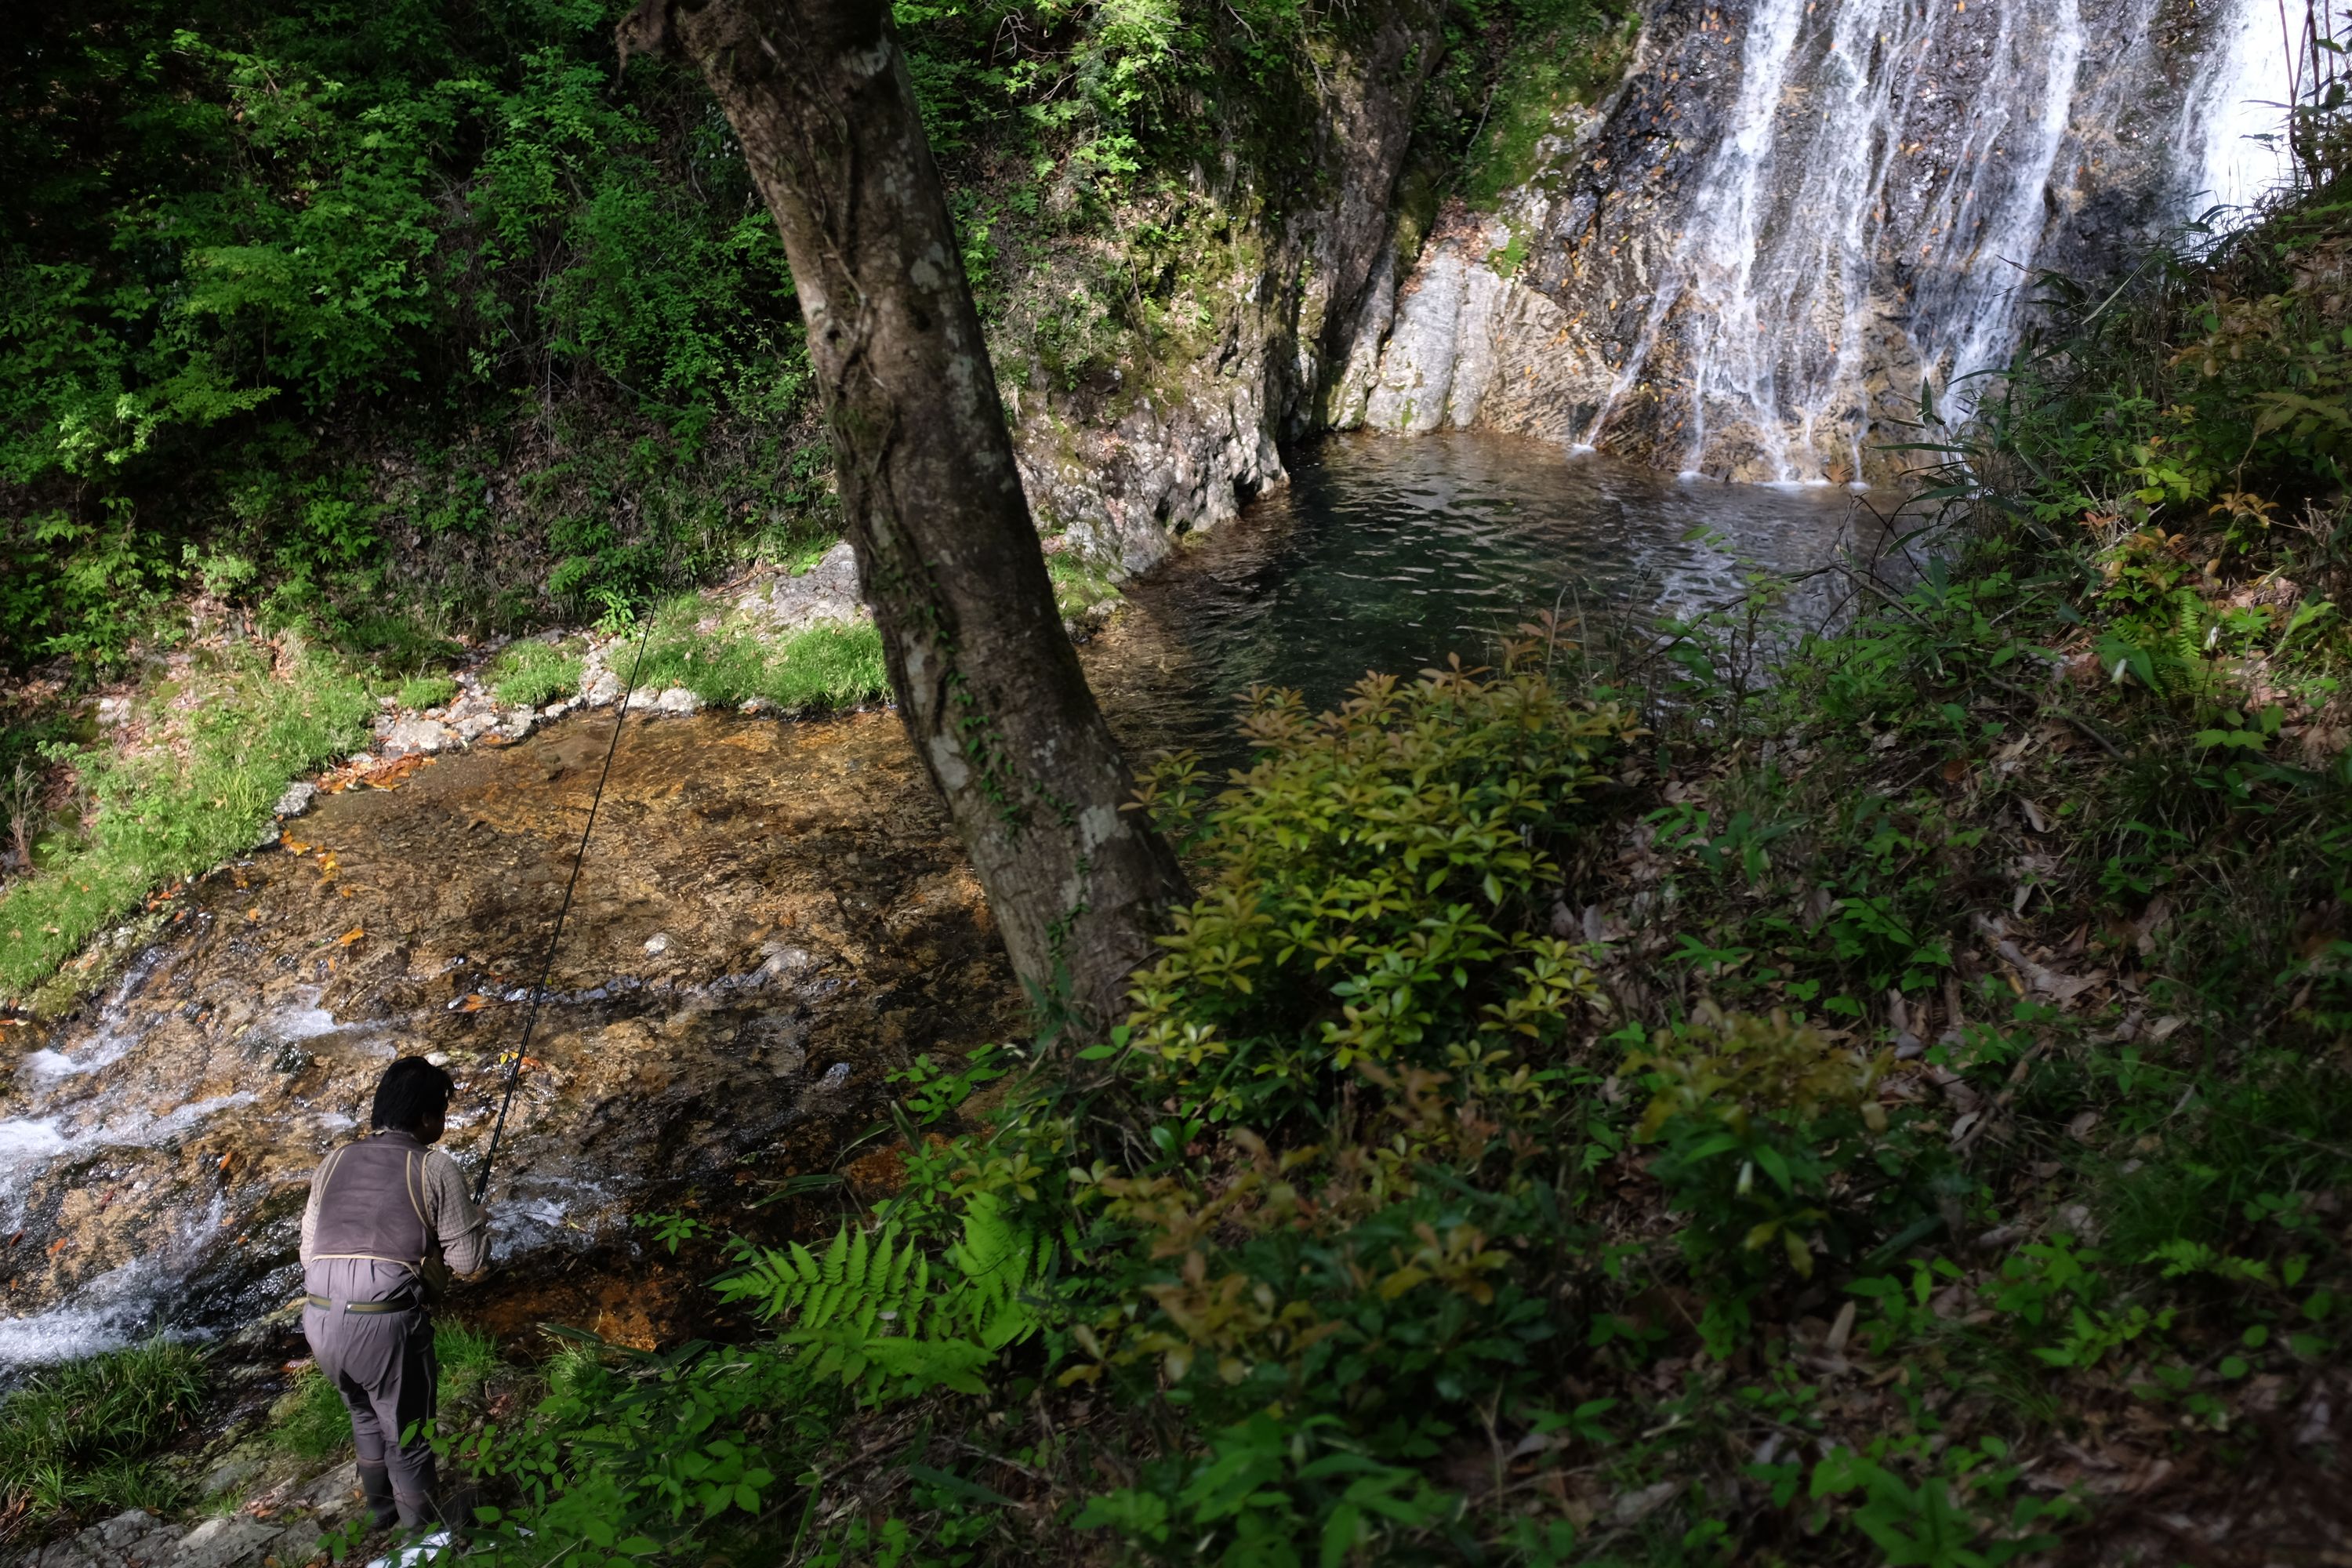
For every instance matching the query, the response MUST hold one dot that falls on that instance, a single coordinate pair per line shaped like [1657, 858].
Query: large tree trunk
[986, 679]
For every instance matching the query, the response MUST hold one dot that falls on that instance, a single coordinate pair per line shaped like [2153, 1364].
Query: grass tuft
[426, 692]
[80, 1439]
[238, 736]
[817, 670]
[535, 672]
[309, 1421]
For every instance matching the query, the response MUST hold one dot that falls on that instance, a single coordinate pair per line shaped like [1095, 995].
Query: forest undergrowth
[1604, 1108]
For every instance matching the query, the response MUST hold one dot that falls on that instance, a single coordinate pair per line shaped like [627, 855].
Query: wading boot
[375, 1486]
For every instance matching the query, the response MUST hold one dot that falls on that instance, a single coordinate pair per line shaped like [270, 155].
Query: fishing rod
[538, 991]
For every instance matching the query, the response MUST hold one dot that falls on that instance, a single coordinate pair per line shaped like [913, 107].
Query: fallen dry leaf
[351, 935]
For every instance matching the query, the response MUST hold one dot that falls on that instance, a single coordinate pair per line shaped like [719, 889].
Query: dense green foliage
[407, 320]
[259, 252]
[82, 1438]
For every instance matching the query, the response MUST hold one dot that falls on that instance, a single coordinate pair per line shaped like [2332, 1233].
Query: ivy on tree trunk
[986, 679]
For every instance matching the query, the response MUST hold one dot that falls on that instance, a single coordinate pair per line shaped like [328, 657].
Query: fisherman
[387, 1224]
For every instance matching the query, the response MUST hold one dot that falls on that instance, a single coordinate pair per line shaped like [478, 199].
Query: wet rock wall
[1125, 471]
[1748, 259]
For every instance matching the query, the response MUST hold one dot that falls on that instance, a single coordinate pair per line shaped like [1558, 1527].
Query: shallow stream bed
[772, 917]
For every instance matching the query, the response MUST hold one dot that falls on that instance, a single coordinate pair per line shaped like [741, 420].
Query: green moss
[1078, 585]
[1569, 53]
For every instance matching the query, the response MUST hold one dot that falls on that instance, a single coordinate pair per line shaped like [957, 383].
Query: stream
[773, 918]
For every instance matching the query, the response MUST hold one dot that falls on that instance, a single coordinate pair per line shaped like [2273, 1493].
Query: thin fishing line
[580, 856]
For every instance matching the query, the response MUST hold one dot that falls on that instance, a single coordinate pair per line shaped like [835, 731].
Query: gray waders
[368, 1319]
[379, 1356]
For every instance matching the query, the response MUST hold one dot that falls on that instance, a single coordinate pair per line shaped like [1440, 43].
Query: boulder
[411, 735]
[824, 594]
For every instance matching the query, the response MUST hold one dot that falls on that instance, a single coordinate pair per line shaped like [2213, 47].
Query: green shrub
[1368, 884]
[1771, 1140]
[79, 1438]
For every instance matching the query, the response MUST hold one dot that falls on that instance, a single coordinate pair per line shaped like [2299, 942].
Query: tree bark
[986, 679]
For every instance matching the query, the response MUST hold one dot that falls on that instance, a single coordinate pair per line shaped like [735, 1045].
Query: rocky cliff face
[1791, 215]
[1195, 429]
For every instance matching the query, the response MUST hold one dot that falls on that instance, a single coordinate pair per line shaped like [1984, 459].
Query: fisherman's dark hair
[412, 1092]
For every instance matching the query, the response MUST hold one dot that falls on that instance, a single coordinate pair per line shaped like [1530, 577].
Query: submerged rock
[798, 882]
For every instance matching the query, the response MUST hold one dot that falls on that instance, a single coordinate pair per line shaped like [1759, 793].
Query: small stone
[269, 835]
[411, 735]
[473, 727]
[114, 710]
[556, 710]
[641, 702]
[297, 798]
[757, 705]
[602, 691]
[519, 723]
[679, 701]
[360, 759]
[657, 943]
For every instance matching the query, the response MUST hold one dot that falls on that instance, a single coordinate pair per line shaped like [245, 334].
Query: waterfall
[2233, 139]
[1868, 222]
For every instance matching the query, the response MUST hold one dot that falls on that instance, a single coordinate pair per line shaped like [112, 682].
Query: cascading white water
[2232, 141]
[1869, 220]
